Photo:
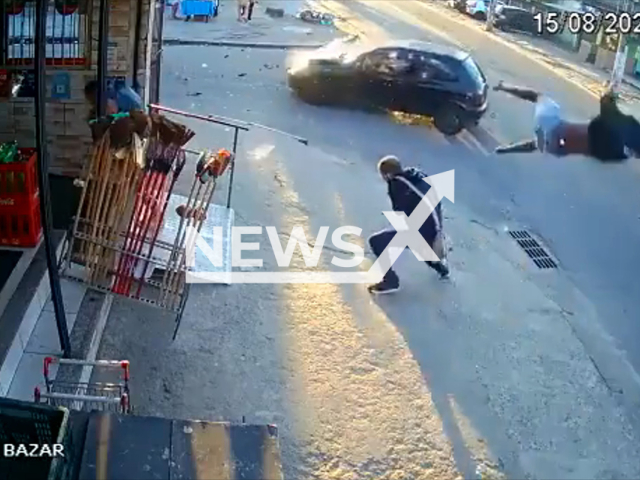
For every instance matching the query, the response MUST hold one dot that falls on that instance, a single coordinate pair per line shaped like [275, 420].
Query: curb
[633, 85]
[262, 45]
[224, 43]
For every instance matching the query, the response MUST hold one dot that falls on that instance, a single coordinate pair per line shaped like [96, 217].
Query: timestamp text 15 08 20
[553, 23]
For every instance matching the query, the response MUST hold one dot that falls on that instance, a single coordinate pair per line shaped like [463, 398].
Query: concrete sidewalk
[262, 31]
[567, 63]
[440, 381]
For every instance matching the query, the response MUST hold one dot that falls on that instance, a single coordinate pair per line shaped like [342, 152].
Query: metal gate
[156, 52]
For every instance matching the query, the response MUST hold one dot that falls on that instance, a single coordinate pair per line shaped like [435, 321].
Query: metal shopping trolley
[87, 395]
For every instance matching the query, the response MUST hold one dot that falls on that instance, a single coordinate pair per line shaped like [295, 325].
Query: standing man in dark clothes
[611, 136]
[252, 4]
[407, 188]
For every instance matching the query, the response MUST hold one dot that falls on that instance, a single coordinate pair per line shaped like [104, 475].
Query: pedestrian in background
[407, 188]
[119, 98]
[252, 4]
[243, 10]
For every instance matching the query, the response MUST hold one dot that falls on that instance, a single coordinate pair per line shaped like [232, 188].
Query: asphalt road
[399, 386]
[587, 213]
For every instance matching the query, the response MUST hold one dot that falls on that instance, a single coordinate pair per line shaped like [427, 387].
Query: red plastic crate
[18, 181]
[20, 226]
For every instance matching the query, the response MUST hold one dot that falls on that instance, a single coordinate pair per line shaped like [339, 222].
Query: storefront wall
[68, 133]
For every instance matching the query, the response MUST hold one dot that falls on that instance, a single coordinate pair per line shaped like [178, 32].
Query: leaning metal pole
[491, 12]
[42, 9]
[103, 45]
[617, 72]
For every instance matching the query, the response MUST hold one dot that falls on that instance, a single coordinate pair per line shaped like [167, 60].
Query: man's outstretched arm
[526, 146]
[520, 92]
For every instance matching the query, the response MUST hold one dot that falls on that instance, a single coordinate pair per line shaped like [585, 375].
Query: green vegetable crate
[27, 423]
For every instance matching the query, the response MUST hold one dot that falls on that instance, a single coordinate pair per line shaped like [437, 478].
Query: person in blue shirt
[119, 97]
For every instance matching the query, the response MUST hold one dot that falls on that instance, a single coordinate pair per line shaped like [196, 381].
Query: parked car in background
[479, 9]
[459, 5]
[409, 76]
[515, 18]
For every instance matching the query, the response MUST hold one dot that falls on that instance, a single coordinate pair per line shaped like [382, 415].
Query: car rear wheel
[480, 16]
[449, 121]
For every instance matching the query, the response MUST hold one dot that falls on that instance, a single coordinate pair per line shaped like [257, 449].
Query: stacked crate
[20, 224]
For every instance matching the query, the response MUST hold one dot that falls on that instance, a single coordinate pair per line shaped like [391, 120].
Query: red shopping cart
[87, 395]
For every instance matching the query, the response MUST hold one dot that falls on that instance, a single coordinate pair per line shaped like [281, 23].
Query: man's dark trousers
[379, 241]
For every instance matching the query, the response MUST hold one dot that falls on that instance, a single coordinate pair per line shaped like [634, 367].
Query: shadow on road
[440, 348]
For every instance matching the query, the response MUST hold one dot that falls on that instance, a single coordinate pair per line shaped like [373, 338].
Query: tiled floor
[44, 342]
[72, 294]
[29, 376]
[44, 338]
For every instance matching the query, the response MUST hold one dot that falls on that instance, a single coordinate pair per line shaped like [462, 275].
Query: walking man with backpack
[407, 188]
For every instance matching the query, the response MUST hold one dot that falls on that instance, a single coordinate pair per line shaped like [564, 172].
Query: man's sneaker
[444, 271]
[442, 267]
[383, 287]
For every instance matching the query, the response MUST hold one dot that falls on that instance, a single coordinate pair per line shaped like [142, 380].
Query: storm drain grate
[533, 249]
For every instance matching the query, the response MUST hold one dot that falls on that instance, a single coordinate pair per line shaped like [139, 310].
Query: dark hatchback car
[410, 76]
[514, 18]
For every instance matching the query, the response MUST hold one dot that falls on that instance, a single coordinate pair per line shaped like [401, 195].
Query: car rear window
[472, 68]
